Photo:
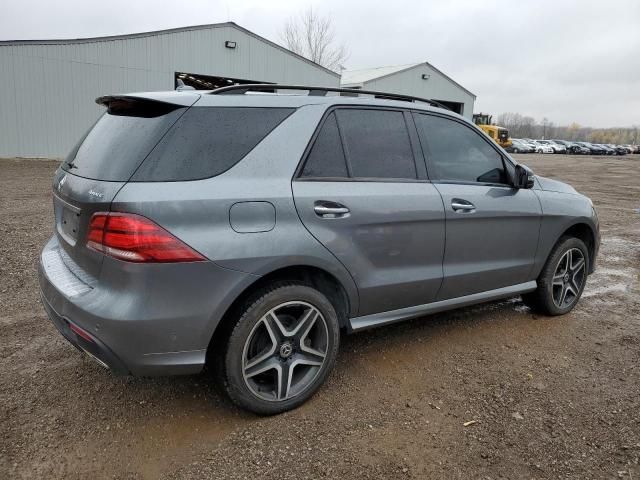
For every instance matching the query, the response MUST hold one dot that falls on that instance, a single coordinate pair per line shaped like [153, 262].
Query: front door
[492, 228]
[365, 198]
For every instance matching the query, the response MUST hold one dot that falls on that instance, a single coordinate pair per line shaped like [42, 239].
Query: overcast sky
[569, 61]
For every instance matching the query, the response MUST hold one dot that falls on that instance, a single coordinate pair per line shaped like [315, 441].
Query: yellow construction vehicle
[500, 135]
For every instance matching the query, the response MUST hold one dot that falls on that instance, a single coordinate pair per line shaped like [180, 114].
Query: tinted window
[207, 141]
[118, 142]
[326, 158]
[377, 143]
[458, 153]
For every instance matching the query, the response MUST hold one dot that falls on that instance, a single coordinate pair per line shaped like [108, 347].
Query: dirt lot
[551, 397]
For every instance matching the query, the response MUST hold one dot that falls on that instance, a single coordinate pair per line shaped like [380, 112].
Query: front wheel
[562, 279]
[282, 349]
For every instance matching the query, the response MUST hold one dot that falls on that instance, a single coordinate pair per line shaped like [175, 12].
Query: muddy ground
[550, 397]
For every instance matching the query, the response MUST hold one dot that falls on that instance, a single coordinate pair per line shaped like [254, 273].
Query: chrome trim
[385, 318]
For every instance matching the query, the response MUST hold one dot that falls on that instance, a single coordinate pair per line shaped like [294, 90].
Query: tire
[545, 298]
[282, 348]
[515, 150]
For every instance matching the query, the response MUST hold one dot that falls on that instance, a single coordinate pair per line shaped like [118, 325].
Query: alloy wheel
[568, 278]
[285, 351]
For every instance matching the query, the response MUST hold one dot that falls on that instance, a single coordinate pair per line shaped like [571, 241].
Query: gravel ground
[549, 397]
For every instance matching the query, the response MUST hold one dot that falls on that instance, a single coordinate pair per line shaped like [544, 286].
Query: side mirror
[524, 177]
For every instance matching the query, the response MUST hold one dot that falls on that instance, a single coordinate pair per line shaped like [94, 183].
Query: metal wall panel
[47, 89]
[437, 87]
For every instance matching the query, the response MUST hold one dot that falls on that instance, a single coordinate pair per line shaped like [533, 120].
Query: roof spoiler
[177, 99]
[137, 106]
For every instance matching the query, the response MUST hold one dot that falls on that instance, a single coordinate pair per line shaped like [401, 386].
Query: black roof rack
[320, 91]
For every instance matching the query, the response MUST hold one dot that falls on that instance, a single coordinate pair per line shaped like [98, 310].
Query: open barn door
[209, 82]
[453, 106]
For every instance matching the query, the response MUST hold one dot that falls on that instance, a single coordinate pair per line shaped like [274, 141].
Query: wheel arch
[316, 277]
[580, 228]
[586, 233]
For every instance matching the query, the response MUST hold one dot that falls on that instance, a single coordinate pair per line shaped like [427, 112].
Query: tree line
[522, 126]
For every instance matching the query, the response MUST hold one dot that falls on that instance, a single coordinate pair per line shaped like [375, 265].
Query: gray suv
[248, 227]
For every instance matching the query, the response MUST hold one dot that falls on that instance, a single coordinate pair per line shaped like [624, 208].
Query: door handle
[462, 206]
[330, 209]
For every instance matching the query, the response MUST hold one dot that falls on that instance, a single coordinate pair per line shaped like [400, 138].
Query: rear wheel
[282, 349]
[562, 279]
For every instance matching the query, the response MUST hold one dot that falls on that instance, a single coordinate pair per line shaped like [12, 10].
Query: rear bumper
[140, 319]
[94, 347]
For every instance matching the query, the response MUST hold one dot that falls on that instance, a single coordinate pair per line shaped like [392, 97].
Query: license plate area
[67, 220]
[70, 221]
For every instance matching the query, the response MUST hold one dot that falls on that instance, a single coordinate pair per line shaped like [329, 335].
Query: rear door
[362, 194]
[491, 227]
[97, 168]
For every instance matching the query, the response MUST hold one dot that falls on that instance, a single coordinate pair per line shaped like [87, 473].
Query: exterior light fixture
[426, 76]
[230, 44]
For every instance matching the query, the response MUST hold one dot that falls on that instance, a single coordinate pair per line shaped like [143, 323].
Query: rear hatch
[101, 163]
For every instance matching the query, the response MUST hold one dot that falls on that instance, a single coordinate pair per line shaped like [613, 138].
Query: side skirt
[385, 318]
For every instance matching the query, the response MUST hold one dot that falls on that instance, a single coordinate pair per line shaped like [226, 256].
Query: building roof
[367, 74]
[361, 77]
[69, 41]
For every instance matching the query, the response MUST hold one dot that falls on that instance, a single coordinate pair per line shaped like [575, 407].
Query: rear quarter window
[207, 141]
[326, 157]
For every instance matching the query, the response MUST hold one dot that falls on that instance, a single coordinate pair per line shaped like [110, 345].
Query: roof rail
[320, 92]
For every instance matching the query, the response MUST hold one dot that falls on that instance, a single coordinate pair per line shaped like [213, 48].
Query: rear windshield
[121, 138]
[207, 141]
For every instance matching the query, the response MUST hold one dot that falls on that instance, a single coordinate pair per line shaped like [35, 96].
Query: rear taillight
[134, 238]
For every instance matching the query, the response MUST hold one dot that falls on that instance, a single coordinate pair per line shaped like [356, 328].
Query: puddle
[592, 292]
[618, 241]
[521, 309]
[615, 272]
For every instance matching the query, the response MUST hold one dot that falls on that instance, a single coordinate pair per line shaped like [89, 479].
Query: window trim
[429, 163]
[416, 149]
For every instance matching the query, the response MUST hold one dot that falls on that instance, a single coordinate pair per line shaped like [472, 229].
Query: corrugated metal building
[48, 87]
[416, 79]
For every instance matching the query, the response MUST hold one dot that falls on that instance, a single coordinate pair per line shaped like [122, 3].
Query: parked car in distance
[582, 149]
[556, 147]
[543, 147]
[520, 146]
[594, 149]
[620, 150]
[251, 232]
[607, 149]
[573, 148]
[530, 143]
